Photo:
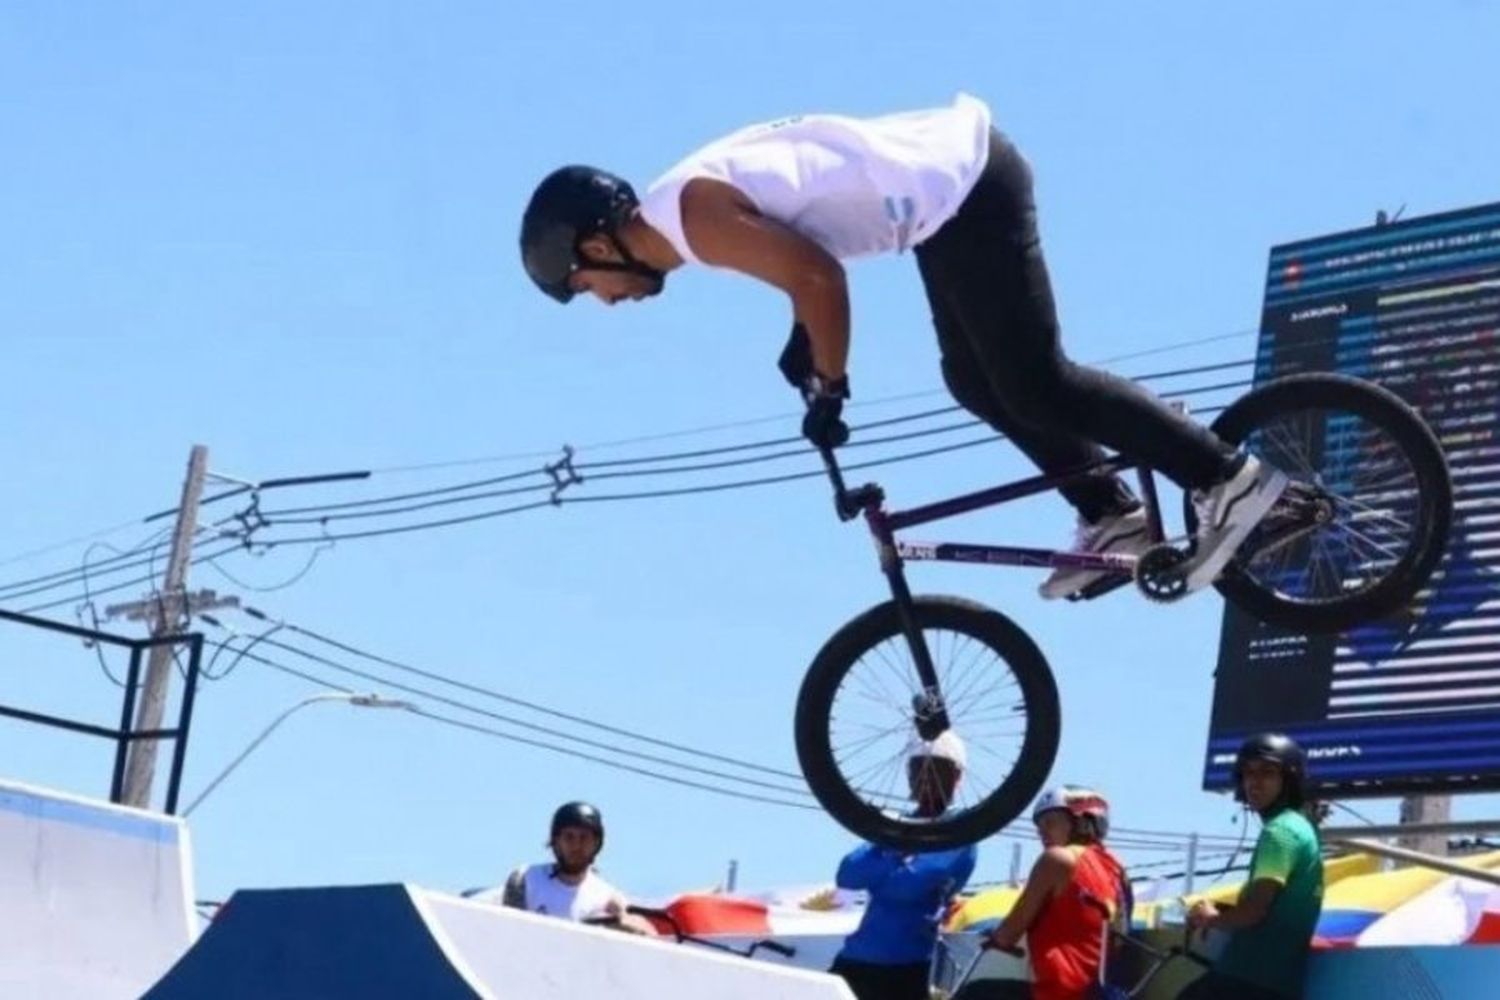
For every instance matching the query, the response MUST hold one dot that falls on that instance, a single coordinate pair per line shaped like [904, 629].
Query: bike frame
[931, 715]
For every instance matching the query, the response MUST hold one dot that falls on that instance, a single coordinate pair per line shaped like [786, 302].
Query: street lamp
[350, 697]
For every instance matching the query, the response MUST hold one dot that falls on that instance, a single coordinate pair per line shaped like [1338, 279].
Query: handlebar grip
[649, 912]
[653, 914]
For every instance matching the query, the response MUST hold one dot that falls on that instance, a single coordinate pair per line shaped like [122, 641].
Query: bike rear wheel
[1366, 519]
[855, 721]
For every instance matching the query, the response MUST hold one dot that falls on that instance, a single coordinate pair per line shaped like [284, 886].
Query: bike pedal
[1100, 587]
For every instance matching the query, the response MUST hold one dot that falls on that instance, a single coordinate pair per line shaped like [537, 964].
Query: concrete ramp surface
[390, 941]
[96, 900]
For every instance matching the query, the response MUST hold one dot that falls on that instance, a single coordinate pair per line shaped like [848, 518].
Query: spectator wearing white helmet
[889, 956]
[1073, 885]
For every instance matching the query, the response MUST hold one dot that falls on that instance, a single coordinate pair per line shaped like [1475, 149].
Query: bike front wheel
[855, 722]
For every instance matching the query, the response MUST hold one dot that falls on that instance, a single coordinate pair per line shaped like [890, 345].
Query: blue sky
[289, 234]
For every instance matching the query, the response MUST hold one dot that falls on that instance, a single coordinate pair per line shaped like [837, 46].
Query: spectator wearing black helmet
[1271, 925]
[568, 886]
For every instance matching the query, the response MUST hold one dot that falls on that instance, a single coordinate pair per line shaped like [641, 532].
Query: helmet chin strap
[628, 264]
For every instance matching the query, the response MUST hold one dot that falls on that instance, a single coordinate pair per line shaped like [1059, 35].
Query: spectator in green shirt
[1271, 926]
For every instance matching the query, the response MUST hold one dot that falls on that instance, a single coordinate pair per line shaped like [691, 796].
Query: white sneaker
[1227, 513]
[1128, 534]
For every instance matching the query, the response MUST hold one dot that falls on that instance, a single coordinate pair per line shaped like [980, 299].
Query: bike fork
[929, 712]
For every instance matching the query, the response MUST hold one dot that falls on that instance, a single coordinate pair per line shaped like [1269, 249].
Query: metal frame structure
[124, 736]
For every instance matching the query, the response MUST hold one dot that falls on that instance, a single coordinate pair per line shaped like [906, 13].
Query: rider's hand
[796, 363]
[823, 424]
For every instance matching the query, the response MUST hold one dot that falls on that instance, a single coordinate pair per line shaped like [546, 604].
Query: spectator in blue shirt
[889, 957]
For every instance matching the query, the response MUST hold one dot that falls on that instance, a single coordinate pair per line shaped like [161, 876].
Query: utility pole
[172, 609]
[1426, 809]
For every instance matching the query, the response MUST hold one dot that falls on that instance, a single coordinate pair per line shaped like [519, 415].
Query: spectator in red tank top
[1061, 912]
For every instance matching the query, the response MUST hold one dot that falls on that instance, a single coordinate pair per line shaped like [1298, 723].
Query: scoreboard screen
[1412, 704]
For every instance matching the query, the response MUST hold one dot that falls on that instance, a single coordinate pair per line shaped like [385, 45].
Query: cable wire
[519, 702]
[552, 747]
[524, 724]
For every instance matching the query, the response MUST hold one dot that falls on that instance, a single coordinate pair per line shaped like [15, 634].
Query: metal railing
[125, 735]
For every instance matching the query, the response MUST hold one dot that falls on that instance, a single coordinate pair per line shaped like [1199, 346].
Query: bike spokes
[879, 708]
[1347, 519]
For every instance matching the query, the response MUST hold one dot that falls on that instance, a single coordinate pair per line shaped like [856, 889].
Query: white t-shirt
[546, 893]
[854, 186]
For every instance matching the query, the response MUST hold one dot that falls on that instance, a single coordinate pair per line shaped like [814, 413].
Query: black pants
[884, 982]
[997, 327]
[1212, 986]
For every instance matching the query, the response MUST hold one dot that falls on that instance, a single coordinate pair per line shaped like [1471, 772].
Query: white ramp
[398, 942]
[518, 954]
[96, 900]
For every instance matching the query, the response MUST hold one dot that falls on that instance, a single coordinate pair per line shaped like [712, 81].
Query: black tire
[1433, 511]
[814, 720]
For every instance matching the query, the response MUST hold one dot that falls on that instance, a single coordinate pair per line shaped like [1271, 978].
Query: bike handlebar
[784, 950]
[848, 503]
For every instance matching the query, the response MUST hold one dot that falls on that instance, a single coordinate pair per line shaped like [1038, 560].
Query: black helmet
[578, 814]
[570, 204]
[1279, 749]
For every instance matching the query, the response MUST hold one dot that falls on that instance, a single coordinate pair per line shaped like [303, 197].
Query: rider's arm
[515, 890]
[1050, 873]
[725, 230]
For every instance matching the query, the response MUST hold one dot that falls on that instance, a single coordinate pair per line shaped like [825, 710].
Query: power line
[222, 647]
[513, 700]
[415, 494]
[326, 537]
[120, 563]
[544, 745]
[403, 529]
[120, 586]
[1203, 838]
[88, 603]
[124, 562]
[245, 654]
[677, 491]
[282, 515]
[1353, 812]
[524, 724]
[55, 546]
[307, 566]
[717, 790]
[638, 495]
[788, 416]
